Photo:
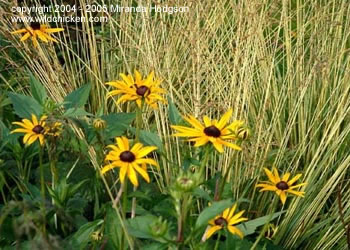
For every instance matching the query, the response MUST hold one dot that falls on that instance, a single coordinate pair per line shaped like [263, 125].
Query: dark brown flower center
[212, 131]
[35, 25]
[282, 185]
[38, 129]
[220, 221]
[127, 156]
[142, 90]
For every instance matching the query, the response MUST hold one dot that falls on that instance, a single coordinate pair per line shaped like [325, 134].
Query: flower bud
[99, 123]
[159, 228]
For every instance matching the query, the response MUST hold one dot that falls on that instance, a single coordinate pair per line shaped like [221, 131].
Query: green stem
[204, 162]
[262, 233]
[42, 184]
[218, 241]
[125, 198]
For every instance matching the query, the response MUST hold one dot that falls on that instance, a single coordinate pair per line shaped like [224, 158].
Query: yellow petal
[25, 37]
[235, 230]
[270, 176]
[120, 144]
[224, 119]
[226, 212]
[207, 121]
[211, 231]
[283, 197]
[290, 183]
[132, 176]
[285, 177]
[107, 168]
[19, 31]
[35, 41]
[201, 141]
[21, 130]
[122, 173]
[218, 147]
[26, 137]
[145, 151]
[53, 30]
[194, 122]
[32, 139]
[277, 176]
[142, 172]
[41, 36]
[147, 161]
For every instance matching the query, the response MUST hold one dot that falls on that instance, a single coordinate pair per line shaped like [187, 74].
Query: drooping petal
[132, 176]
[142, 172]
[218, 147]
[212, 230]
[235, 230]
[25, 37]
[283, 197]
[19, 31]
[122, 173]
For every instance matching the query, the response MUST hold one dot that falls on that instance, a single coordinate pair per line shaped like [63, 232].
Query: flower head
[281, 185]
[138, 89]
[53, 129]
[36, 30]
[226, 220]
[33, 129]
[129, 160]
[213, 131]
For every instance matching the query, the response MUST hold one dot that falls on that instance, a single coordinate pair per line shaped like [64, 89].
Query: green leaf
[151, 139]
[82, 236]
[250, 226]
[139, 226]
[210, 212]
[202, 194]
[74, 112]
[78, 97]
[174, 114]
[37, 89]
[25, 106]
[113, 229]
[117, 123]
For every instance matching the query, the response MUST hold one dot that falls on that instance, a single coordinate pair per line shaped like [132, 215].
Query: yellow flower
[281, 186]
[138, 89]
[213, 131]
[226, 219]
[33, 129]
[129, 160]
[37, 30]
[53, 129]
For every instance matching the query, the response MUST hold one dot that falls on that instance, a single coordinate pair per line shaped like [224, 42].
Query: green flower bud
[99, 123]
[159, 228]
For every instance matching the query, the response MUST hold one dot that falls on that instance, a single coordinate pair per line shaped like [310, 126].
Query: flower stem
[42, 184]
[217, 241]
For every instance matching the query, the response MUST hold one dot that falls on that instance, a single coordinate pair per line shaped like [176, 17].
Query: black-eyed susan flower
[138, 89]
[36, 30]
[129, 160]
[34, 130]
[53, 129]
[226, 220]
[213, 131]
[281, 186]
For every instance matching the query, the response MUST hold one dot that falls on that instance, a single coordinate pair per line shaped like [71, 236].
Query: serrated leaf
[210, 212]
[250, 226]
[174, 114]
[25, 106]
[74, 112]
[82, 236]
[151, 139]
[78, 97]
[37, 89]
[139, 226]
[117, 123]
